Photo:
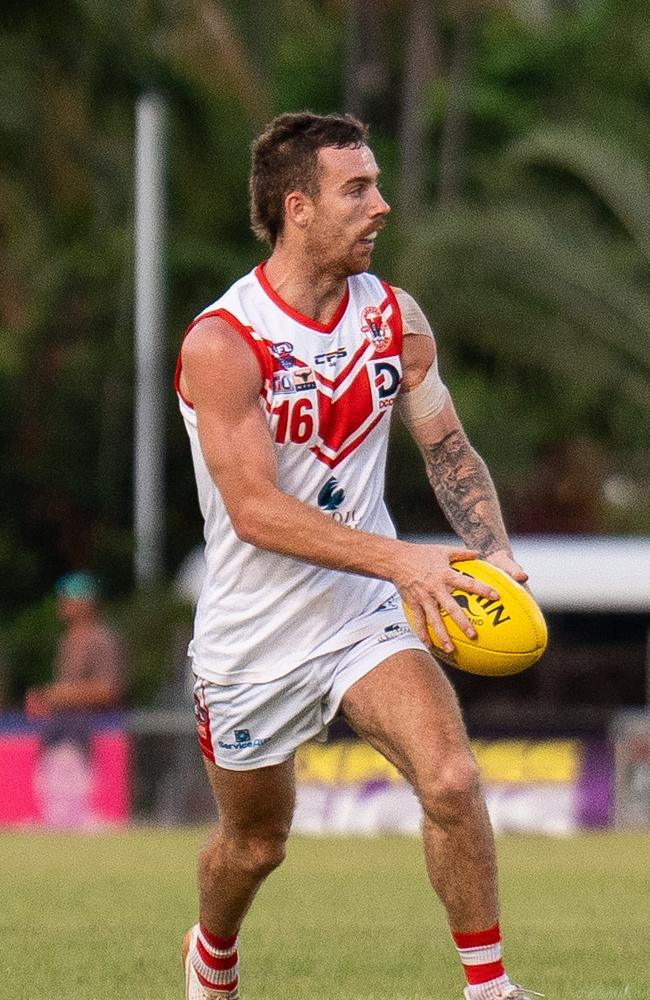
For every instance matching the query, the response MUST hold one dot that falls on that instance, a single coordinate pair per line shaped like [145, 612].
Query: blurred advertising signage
[541, 786]
[67, 773]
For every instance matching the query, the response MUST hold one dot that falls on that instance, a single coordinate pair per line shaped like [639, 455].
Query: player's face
[348, 211]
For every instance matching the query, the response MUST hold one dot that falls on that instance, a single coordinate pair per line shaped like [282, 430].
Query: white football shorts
[244, 726]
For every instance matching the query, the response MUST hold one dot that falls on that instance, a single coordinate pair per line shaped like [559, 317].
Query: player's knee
[267, 853]
[445, 796]
[262, 853]
[251, 854]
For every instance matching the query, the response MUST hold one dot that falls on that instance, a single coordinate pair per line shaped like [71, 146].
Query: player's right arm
[220, 376]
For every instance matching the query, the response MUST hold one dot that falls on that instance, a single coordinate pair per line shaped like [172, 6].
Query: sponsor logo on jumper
[243, 741]
[283, 382]
[330, 498]
[283, 352]
[387, 381]
[347, 517]
[294, 380]
[331, 495]
[376, 330]
[303, 378]
[330, 358]
[394, 631]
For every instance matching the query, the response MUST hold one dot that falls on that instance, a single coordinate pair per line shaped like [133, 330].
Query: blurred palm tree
[543, 306]
[540, 280]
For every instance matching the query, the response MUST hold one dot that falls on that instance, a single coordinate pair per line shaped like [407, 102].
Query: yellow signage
[501, 762]
[346, 763]
[528, 761]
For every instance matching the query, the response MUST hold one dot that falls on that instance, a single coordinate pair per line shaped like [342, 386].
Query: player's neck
[303, 286]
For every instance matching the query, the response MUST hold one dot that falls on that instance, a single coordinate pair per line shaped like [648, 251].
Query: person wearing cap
[88, 672]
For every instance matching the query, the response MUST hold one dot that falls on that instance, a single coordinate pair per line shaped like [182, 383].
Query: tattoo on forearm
[465, 491]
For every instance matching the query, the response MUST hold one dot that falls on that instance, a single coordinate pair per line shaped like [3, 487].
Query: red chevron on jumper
[340, 418]
[363, 350]
[345, 421]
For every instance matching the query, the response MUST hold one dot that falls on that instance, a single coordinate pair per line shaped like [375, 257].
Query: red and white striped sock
[216, 962]
[480, 953]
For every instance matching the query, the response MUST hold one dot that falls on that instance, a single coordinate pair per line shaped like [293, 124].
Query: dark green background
[514, 142]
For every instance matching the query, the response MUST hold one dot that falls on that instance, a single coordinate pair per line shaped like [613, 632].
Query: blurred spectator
[88, 674]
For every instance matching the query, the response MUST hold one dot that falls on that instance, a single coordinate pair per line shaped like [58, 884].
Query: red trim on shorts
[205, 740]
[477, 939]
[260, 274]
[263, 359]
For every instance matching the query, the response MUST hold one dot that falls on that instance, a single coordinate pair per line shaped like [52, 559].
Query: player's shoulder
[414, 319]
[215, 356]
[218, 347]
[219, 326]
[403, 296]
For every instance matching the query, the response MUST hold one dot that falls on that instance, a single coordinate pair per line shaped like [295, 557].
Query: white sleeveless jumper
[327, 394]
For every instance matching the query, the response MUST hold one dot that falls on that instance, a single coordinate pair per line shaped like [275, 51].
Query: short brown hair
[285, 158]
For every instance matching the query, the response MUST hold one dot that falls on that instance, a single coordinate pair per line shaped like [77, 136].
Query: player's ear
[299, 209]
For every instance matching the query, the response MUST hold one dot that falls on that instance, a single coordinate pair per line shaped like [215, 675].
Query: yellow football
[511, 631]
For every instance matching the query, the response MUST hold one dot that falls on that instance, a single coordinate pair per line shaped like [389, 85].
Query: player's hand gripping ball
[511, 632]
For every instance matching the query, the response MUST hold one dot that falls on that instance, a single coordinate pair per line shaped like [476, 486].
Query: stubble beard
[323, 255]
[344, 265]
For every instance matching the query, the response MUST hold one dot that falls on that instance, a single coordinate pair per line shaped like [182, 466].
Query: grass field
[101, 918]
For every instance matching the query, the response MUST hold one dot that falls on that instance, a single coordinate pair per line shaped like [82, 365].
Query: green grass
[101, 918]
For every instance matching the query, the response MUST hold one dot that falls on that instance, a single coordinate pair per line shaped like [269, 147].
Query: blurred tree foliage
[513, 138]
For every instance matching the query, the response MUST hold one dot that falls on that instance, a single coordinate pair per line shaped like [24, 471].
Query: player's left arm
[458, 475]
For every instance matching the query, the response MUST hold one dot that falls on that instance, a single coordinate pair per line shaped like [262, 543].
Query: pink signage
[67, 783]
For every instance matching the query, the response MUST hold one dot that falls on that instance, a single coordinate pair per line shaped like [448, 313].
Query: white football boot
[194, 990]
[513, 993]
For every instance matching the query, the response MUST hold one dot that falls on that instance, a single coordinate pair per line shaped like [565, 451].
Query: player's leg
[406, 708]
[255, 809]
[255, 812]
[248, 734]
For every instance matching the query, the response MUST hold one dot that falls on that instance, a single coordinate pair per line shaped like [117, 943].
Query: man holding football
[286, 385]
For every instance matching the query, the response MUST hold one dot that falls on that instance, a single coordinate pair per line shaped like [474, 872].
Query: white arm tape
[425, 401]
[429, 397]
[413, 319]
